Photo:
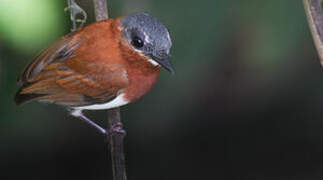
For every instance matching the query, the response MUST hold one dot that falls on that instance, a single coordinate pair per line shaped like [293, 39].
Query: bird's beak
[164, 62]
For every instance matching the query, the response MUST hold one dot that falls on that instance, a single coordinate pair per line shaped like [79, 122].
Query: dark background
[246, 101]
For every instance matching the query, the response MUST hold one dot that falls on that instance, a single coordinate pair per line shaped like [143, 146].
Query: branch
[101, 10]
[314, 14]
[115, 133]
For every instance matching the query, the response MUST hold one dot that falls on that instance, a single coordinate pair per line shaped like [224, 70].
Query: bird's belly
[120, 100]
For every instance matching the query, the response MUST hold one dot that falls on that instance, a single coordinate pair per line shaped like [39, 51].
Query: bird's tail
[21, 97]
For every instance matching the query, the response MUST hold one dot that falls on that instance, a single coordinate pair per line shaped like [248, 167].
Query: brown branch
[116, 136]
[115, 133]
[314, 14]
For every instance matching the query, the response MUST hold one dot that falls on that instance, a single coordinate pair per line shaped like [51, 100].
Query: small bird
[104, 65]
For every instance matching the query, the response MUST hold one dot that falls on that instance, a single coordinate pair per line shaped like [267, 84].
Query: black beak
[164, 62]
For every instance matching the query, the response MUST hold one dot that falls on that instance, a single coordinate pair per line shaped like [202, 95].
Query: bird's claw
[116, 129]
[113, 130]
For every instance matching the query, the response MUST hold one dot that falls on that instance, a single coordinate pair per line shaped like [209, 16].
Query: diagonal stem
[314, 14]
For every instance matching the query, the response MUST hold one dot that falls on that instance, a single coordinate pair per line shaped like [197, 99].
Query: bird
[104, 65]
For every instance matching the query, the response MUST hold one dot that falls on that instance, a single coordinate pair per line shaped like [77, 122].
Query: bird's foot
[116, 129]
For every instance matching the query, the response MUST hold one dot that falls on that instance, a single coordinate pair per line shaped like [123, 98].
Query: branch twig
[116, 145]
[115, 133]
[314, 14]
[101, 10]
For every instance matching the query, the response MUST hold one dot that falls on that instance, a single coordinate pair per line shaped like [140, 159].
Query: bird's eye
[137, 42]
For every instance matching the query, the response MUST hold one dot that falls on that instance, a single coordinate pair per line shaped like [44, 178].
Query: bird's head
[149, 37]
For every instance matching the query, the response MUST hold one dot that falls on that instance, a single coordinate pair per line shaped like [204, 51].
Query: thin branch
[314, 14]
[101, 10]
[116, 145]
[115, 133]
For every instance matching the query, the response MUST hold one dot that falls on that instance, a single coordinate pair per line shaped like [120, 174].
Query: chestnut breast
[142, 74]
[112, 50]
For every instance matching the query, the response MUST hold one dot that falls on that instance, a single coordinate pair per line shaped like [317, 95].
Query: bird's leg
[114, 129]
[79, 114]
[76, 10]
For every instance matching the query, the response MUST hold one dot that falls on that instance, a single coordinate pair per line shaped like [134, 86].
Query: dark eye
[137, 42]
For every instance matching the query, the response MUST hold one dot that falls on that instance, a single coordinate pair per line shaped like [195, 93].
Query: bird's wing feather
[57, 75]
[60, 50]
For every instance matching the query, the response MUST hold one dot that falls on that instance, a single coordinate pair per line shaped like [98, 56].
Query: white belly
[116, 102]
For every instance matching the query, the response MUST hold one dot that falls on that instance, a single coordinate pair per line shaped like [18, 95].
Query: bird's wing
[58, 75]
[60, 50]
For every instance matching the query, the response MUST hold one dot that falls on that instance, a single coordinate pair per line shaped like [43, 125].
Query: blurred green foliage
[30, 24]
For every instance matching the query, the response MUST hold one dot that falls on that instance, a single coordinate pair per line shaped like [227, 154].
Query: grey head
[148, 36]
